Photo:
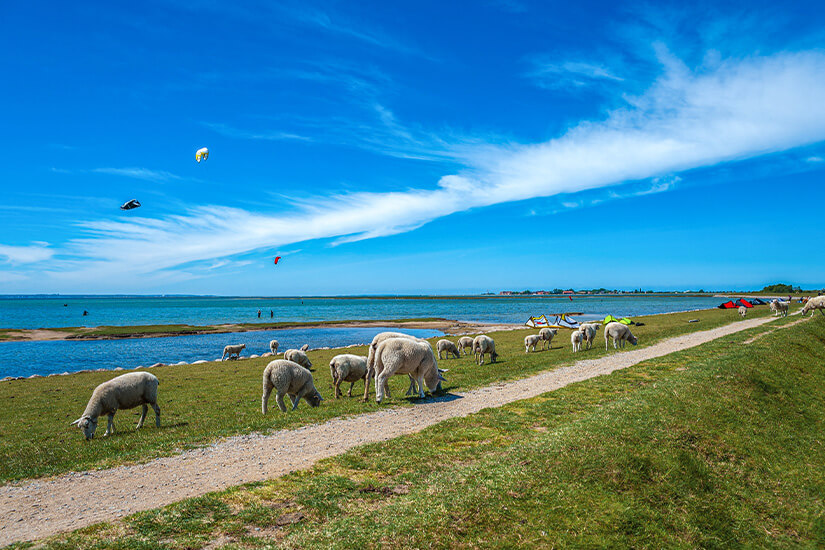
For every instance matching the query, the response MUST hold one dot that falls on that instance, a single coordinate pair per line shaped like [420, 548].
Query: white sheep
[547, 335]
[779, 307]
[576, 338]
[589, 331]
[273, 347]
[405, 356]
[484, 344]
[742, 311]
[620, 334]
[376, 341]
[290, 379]
[123, 392]
[347, 368]
[813, 304]
[531, 341]
[465, 343]
[447, 347]
[298, 356]
[233, 350]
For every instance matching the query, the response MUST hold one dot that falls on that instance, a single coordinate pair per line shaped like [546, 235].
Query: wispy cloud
[570, 74]
[139, 173]
[33, 253]
[232, 132]
[742, 109]
[814, 160]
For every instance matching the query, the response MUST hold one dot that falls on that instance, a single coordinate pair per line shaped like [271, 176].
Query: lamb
[447, 347]
[589, 331]
[779, 307]
[547, 335]
[290, 379]
[273, 347]
[347, 368]
[405, 356]
[376, 341]
[484, 344]
[813, 304]
[465, 343]
[620, 334]
[742, 311]
[531, 341]
[233, 350]
[298, 356]
[123, 392]
[576, 338]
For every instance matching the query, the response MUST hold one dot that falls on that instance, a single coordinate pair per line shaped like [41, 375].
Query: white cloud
[814, 160]
[139, 173]
[570, 74]
[36, 252]
[741, 109]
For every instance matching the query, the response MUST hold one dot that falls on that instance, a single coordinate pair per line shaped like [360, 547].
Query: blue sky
[410, 147]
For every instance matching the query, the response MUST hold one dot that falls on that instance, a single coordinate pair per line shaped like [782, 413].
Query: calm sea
[42, 358]
[44, 312]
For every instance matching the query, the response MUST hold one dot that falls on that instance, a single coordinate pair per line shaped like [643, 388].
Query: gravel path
[36, 509]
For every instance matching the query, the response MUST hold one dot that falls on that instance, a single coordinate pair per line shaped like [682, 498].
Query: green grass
[202, 403]
[717, 446]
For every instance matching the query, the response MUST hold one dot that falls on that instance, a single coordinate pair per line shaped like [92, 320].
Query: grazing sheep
[298, 356]
[124, 392]
[779, 307]
[484, 344]
[531, 341]
[305, 347]
[547, 335]
[290, 379]
[447, 347]
[813, 304]
[273, 347]
[465, 343]
[405, 356]
[589, 330]
[742, 311]
[347, 368]
[576, 338]
[376, 341]
[620, 334]
[233, 350]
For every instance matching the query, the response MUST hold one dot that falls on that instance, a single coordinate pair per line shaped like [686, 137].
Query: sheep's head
[493, 357]
[88, 425]
[315, 399]
[633, 340]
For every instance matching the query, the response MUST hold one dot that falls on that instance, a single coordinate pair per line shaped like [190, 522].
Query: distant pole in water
[259, 314]
[271, 314]
[85, 313]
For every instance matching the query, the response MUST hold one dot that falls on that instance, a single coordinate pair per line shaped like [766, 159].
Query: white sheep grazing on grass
[531, 341]
[347, 368]
[465, 343]
[620, 334]
[233, 350]
[576, 338]
[484, 344]
[547, 335]
[742, 311]
[405, 356]
[589, 331]
[376, 341]
[779, 307]
[124, 392]
[305, 347]
[298, 356]
[813, 304]
[447, 347]
[273, 347]
[288, 378]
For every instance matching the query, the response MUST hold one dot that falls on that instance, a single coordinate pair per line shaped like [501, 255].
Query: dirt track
[40, 508]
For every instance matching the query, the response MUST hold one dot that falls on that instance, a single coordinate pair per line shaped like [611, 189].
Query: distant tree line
[781, 288]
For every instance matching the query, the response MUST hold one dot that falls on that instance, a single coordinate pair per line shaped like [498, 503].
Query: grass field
[203, 403]
[717, 446]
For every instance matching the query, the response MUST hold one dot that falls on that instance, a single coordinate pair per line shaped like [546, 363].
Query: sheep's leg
[370, 374]
[279, 398]
[421, 386]
[110, 427]
[336, 383]
[157, 414]
[265, 395]
[295, 399]
[145, 409]
[381, 386]
[351, 385]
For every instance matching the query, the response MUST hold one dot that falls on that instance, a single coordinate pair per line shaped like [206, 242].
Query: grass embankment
[202, 403]
[717, 446]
